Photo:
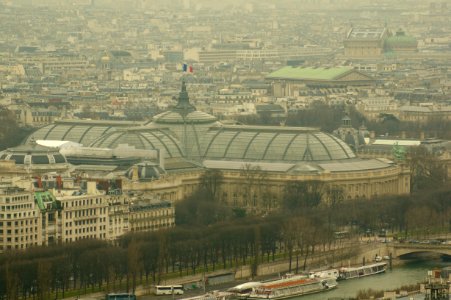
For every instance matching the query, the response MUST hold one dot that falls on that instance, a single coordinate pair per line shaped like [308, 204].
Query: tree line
[329, 117]
[11, 134]
[192, 247]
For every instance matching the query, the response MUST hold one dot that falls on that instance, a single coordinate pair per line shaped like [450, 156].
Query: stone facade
[30, 218]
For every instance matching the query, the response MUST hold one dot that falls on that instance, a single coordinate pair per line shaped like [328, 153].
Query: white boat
[242, 291]
[330, 273]
[356, 272]
[292, 286]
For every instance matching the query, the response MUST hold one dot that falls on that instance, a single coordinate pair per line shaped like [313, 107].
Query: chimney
[91, 188]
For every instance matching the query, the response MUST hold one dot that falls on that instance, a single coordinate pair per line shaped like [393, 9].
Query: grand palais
[168, 155]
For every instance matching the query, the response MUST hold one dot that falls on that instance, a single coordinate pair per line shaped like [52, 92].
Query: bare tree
[254, 179]
[426, 169]
[211, 182]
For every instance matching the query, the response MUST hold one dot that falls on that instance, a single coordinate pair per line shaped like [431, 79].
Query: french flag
[187, 68]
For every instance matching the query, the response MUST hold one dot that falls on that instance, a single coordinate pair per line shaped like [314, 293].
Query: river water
[409, 273]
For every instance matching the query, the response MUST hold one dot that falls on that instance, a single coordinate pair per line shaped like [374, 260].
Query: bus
[120, 296]
[169, 290]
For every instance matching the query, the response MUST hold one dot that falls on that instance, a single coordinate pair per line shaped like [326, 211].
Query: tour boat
[356, 272]
[242, 291]
[330, 273]
[291, 286]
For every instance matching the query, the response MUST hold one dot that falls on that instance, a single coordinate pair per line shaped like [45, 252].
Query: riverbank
[351, 255]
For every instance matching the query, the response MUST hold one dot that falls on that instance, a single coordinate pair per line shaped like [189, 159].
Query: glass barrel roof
[273, 144]
[142, 138]
[82, 133]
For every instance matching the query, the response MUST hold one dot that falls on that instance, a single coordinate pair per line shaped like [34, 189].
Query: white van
[169, 290]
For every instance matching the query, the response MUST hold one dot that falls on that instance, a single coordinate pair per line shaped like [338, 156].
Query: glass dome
[188, 124]
[78, 131]
[145, 171]
[268, 143]
[142, 138]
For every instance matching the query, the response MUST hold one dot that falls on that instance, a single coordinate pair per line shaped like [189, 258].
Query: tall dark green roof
[400, 41]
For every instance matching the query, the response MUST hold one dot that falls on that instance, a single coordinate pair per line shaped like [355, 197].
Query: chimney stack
[91, 188]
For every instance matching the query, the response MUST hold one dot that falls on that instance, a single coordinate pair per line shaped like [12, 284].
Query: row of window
[160, 213]
[16, 207]
[18, 215]
[147, 227]
[85, 212]
[85, 230]
[17, 231]
[17, 199]
[16, 223]
[86, 222]
[16, 239]
[84, 202]
[90, 236]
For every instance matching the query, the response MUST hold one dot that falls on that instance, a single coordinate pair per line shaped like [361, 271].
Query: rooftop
[401, 41]
[366, 33]
[310, 73]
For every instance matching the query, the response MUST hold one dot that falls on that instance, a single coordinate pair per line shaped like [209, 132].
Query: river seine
[408, 273]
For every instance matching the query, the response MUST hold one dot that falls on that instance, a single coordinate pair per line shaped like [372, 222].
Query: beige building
[257, 161]
[20, 220]
[38, 115]
[50, 64]
[365, 42]
[290, 81]
[151, 216]
[372, 107]
[30, 218]
[423, 114]
[83, 216]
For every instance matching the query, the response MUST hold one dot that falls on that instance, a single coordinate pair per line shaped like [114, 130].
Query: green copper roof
[401, 41]
[309, 73]
[46, 201]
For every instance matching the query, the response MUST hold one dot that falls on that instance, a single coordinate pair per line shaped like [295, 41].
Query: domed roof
[188, 124]
[184, 112]
[145, 171]
[175, 117]
[400, 40]
[34, 155]
[142, 138]
[270, 143]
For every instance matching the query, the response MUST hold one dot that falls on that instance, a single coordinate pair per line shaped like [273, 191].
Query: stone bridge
[369, 251]
[401, 249]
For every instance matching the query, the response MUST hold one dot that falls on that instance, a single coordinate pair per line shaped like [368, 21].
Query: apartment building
[62, 216]
[145, 216]
[83, 215]
[20, 220]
